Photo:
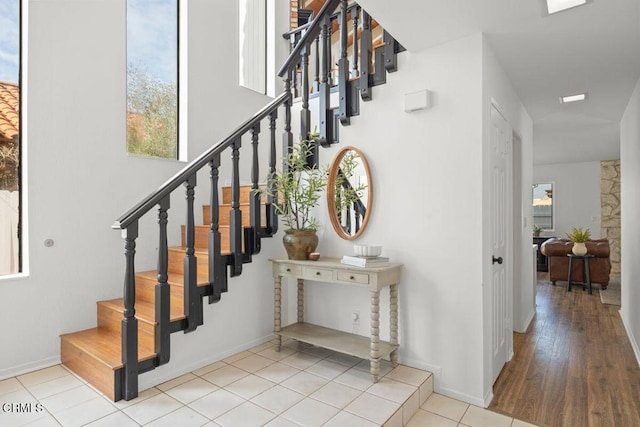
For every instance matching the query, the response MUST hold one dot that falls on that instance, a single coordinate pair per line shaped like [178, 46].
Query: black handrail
[308, 38]
[192, 168]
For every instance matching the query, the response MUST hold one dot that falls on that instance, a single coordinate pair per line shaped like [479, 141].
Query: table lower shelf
[332, 339]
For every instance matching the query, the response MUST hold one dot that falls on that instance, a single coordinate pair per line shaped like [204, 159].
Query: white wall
[576, 196]
[80, 180]
[630, 193]
[497, 88]
[426, 213]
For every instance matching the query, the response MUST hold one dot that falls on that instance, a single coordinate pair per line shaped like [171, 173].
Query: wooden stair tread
[199, 252]
[104, 346]
[175, 279]
[145, 311]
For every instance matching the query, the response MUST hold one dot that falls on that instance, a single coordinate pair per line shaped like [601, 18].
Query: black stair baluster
[358, 215]
[287, 137]
[390, 57]
[316, 81]
[366, 55]
[294, 85]
[355, 15]
[163, 331]
[305, 114]
[272, 197]
[326, 115]
[254, 197]
[235, 220]
[343, 66]
[192, 299]
[217, 266]
[129, 322]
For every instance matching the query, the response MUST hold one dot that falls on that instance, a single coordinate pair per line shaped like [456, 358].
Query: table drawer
[348, 276]
[318, 273]
[292, 270]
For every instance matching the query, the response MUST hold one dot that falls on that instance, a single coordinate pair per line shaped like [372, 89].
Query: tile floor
[298, 386]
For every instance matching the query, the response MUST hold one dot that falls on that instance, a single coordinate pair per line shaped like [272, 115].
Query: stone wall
[610, 209]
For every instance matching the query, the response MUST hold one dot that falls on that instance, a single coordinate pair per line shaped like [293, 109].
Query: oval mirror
[349, 193]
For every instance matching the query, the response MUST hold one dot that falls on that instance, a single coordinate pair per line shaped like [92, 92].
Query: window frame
[553, 205]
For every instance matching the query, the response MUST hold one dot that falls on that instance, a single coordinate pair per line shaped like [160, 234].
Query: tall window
[10, 254]
[152, 76]
[543, 206]
[252, 66]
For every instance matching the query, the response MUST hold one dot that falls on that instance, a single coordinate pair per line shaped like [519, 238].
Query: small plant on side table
[299, 189]
[579, 236]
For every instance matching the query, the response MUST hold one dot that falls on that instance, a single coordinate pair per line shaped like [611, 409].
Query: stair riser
[245, 194]
[202, 237]
[111, 319]
[176, 262]
[224, 215]
[146, 291]
[93, 371]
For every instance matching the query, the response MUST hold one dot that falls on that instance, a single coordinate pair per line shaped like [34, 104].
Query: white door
[501, 199]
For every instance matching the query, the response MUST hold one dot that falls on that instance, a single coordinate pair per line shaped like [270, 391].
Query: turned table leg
[374, 357]
[393, 292]
[300, 300]
[277, 310]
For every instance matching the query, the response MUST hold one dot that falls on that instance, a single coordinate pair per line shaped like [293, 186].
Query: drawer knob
[288, 270]
[352, 278]
[317, 273]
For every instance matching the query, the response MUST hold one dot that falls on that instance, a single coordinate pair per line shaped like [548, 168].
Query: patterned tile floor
[298, 386]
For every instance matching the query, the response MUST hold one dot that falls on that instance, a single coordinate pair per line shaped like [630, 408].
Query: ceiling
[593, 48]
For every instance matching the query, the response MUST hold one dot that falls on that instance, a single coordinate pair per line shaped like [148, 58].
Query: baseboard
[435, 370]
[527, 322]
[29, 367]
[146, 382]
[488, 397]
[474, 400]
[632, 339]
[437, 383]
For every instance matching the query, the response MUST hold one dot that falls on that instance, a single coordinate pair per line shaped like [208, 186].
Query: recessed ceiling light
[573, 98]
[554, 6]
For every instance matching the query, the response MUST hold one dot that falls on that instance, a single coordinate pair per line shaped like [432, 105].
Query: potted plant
[536, 230]
[579, 236]
[299, 189]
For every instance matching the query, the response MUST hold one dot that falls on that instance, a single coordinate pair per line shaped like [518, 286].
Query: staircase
[133, 332]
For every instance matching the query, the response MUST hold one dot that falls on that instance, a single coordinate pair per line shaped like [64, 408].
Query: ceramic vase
[579, 248]
[300, 243]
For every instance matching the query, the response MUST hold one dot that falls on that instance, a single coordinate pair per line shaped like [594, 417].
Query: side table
[586, 271]
[332, 271]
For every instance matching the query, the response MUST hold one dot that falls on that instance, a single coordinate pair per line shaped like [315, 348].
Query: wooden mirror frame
[331, 193]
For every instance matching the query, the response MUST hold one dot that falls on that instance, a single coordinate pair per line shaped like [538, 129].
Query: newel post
[129, 322]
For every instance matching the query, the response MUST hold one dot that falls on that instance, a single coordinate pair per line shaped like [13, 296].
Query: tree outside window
[152, 75]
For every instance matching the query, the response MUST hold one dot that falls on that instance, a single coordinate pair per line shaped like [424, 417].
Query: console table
[332, 271]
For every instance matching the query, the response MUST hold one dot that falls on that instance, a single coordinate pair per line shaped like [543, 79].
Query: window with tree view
[152, 76]
[543, 206]
[10, 184]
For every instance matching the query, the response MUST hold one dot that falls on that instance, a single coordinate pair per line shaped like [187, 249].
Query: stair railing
[128, 224]
[354, 79]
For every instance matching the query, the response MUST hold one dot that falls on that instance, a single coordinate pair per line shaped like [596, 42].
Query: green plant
[579, 235]
[348, 194]
[536, 229]
[298, 189]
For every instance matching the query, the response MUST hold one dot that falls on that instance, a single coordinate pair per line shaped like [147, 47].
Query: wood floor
[573, 367]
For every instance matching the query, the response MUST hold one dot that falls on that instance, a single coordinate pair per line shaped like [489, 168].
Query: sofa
[556, 250]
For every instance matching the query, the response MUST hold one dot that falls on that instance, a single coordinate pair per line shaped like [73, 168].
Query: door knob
[494, 260]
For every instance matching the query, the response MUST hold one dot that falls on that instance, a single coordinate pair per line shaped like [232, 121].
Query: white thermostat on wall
[415, 101]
